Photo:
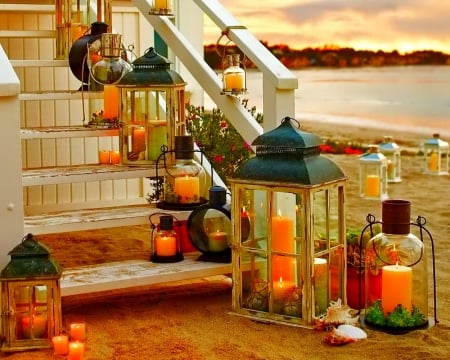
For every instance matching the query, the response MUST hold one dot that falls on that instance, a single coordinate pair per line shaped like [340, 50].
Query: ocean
[416, 98]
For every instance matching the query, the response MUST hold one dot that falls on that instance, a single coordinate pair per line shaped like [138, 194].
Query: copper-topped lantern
[373, 174]
[31, 298]
[435, 156]
[393, 155]
[151, 101]
[292, 262]
[73, 19]
[161, 7]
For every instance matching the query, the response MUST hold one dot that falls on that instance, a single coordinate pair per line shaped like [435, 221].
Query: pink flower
[219, 158]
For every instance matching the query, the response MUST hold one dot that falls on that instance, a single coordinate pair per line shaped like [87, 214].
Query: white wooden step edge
[27, 7]
[40, 63]
[66, 132]
[83, 173]
[60, 95]
[125, 274]
[27, 33]
[88, 219]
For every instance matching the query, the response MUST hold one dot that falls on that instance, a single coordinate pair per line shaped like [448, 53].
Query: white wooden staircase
[64, 187]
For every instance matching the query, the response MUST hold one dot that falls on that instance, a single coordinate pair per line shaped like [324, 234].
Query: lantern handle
[288, 118]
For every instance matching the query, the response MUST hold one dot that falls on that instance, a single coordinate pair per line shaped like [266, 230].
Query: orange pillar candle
[161, 4]
[103, 157]
[373, 185]
[187, 188]
[111, 102]
[165, 245]
[60, 344]
[114, 157]
[234, 81]
[138, 139]
[283, 267]
[396, 287]
[217, 241]
[76, 351]
[281, 289]
[433, 162]
[77, 331]
[39, 326]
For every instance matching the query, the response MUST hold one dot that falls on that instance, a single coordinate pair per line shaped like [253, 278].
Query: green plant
[218, 139]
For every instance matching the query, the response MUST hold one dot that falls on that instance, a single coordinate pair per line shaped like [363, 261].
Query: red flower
[219, 158]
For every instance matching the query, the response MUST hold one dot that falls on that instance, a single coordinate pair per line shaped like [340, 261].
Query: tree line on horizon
[331, 56]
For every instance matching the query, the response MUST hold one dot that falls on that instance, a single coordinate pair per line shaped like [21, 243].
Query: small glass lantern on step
[166, 243]
[435, 156]
[393, 155]
[396, 271]
[234, 76]
[161, 7]
[373, 174]
[31, 298]
[291, 264]
[151, 100]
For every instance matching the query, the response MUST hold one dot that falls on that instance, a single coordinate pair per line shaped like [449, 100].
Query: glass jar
[234, 76]
[396, 273]
[166, 246]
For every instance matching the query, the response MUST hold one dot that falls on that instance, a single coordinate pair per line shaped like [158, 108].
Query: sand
[192, 320]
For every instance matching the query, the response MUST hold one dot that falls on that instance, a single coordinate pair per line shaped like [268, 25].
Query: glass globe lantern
[166, 244]
[31, 298]
[234, 76]
[151, 102]
[393, 155]
[292, 263]
[373, 174]
[435, 156]
[396, 278]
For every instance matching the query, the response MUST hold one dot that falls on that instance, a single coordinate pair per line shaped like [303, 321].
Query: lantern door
[289, 263]
[32, 316]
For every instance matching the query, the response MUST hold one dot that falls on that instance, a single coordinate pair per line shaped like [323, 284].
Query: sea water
[416, 98]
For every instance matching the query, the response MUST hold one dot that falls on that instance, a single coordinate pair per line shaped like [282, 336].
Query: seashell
[351, 331]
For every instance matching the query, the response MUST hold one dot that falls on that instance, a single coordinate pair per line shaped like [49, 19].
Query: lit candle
[234, 81]
[165, 245]
[76, 351]
[433, 162]
[396, 287]
[156, 138]
[111, 102]
[77, 331]
[114, 157]
[373, 185]
[283, 241]
[139, 143]
[161, 4]
[187, 188]
[281, 290]
[390, 170]
[60, 344]
[103, 157]
[37, 322]
[217, 241]
[321, 284]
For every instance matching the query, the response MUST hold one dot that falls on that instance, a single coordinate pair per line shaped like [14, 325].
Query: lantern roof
[436, 141]
[151, 69]
[30, 259]
[388, 145]
[372, 154]
[288, 155]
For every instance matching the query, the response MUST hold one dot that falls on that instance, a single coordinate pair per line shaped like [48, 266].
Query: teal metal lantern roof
[288, 155]
[30, 259]
[436, 141]
[151, 69]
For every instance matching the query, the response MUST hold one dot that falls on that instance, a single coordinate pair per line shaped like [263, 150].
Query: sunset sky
[404, 25]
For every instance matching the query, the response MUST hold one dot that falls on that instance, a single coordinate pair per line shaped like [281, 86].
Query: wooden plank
[82, 173]
[39, 63]
[60, 95]
[124, 274]
[27, 33]
[66, 132]
[87, 219]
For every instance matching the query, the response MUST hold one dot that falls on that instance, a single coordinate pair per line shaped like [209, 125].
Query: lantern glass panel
[218, 230]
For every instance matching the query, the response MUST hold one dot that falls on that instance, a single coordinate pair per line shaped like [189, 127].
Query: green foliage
[399, 318]
[218, 139]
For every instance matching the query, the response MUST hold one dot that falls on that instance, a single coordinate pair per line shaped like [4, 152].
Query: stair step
[27, 33]
[66, 132]
[125, 274]
[60, 95]
[84, 173]
[24, 6]
[40, 63]
[88, 219]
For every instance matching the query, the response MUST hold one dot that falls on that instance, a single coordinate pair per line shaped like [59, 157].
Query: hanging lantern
[292, 263]
[31, 299]
[396, 277]
[73, 19]
[166, 244]
[161, 7]
[393, 155]
[435, 156]
[373, 174]
[151, 100]
[185, 179]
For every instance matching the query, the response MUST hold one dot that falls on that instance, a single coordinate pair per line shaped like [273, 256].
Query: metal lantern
[393, 155]
[73, 19]
[435, 156]
[373, 174]
[161, 7]
[151, 101]
[234, 76]
[184, 185]
[31, 298]
[292, 263]
[166, 244]
[396, 273]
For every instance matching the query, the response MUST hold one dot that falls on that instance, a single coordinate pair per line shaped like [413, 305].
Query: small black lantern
[31, 297]
[165, 241]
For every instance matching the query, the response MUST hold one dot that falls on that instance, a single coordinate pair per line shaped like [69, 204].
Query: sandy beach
[191, 320]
